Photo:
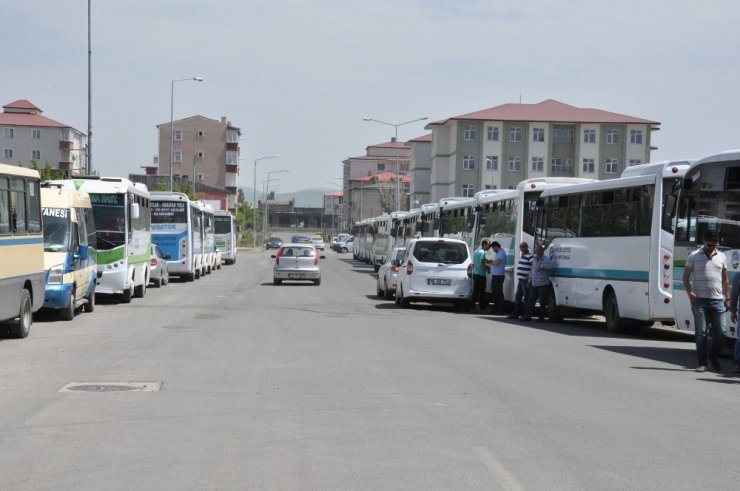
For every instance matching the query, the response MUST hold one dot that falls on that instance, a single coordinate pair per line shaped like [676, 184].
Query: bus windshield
[223, 225]
[111, 224]
[56, 229]
[716, 211]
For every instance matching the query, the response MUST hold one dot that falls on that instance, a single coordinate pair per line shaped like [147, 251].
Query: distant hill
[305, 198]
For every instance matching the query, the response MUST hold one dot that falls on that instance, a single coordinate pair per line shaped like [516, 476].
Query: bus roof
[725, 156]
[17, 170]
[620, 182]
[542, 183]
[168, 196]
[94, 184]
[666, 168]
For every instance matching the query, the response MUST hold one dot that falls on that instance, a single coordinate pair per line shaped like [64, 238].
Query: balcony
[65, 145]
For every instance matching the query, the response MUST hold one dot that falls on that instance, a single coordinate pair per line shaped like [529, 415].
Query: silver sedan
[299, 262]
[388, 274]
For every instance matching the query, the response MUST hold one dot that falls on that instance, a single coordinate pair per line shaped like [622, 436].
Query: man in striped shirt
[522, 277]
[708, 287]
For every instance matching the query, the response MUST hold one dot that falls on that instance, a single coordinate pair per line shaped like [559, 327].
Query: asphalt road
[326, 387]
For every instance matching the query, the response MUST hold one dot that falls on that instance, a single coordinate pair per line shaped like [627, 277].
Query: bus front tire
[69, 313]
[21, 328]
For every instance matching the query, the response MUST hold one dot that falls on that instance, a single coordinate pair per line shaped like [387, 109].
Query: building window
[468, 191]
[515, 134]
[178, 135]
[492, 162]
[200, 177]
[232, 136]
[636, 137]
[538, 134]
[36, 134]
[563, 135]
[232, 157]
[469, 133]
[635, 162]
[199, 134]
[468, 162]
[36, 154]
[8, 154]
[9, 132]
[515, 164]
[538, 164]
[492, 133]
[589, 136]
[589, 166]
[562, 165]
[612, 137]
[612, 166]
[381, 167]
[178, 156]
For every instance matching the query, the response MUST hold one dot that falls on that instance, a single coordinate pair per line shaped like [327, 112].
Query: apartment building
[28, 136]
[497, 148]
[420, 170]
[387, 159]
[202, 150]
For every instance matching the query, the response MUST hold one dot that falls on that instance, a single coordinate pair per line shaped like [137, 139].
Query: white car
[388, 273]
[318, 243]
[435, 270]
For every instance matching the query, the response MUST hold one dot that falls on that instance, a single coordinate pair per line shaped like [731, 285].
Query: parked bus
[70, 245]
[176, 228]
[208, 237]
[428, 225]
[613, 243]
[21, 248]
[381, 239]
[709, 199]
[457, 220]
[123, 233]
[507, 216]
[225, 235]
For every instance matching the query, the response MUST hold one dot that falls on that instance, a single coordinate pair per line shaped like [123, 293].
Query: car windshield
[441, 252]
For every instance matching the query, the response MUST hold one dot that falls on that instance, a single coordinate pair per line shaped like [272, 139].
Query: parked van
[70, 268]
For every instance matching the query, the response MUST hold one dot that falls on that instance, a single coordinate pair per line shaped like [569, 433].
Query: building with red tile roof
[503, 145]
[28, 137]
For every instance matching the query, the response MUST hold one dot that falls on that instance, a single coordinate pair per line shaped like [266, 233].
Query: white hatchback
[435, 270]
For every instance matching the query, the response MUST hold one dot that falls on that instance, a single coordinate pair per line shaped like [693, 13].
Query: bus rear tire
[553, 311]
[21, 328]
[69, 313]
[614, 322]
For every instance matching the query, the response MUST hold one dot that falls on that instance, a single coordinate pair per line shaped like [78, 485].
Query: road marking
[504, 477]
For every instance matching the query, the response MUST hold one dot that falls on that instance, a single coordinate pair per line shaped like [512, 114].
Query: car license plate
[439, 281]
[295, 276]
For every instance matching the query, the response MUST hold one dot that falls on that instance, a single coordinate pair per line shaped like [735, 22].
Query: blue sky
[298, 76]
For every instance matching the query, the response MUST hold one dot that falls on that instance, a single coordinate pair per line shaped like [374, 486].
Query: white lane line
[504, 477]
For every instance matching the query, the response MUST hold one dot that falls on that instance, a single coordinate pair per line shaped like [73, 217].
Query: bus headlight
[56, 274]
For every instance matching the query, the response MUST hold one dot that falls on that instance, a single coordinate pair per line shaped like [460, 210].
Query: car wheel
[68, 313]
[21, 328]
[403, 302]
[90, 304]
[317, 282]
[276, 281]
[166, 278]
[388, 295]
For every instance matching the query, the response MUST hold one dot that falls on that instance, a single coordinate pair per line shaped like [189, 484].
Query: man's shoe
[736, 369]
[716, 365]
[701, 369]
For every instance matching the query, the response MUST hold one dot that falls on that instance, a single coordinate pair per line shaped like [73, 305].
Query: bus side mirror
[83, 253]
[134, 211]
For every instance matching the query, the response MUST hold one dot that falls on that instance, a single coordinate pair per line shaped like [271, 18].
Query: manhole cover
[112, 387]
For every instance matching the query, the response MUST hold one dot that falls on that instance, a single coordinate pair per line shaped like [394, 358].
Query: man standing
[522, 280]
[734, 295]
[709, 297]
[479, 277]
[497, 277]
[539, 283]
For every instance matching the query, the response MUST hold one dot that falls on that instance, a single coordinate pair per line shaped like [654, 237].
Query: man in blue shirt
[497, 277]
[479, 277]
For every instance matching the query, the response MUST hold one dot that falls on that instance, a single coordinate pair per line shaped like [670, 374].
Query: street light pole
[172, 121]
[254, 200]
[266, 220]
[398, 164]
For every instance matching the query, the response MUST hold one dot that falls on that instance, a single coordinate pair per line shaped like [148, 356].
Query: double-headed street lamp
[172, 121]
[254, 200]
[333, 203]
[398, 168]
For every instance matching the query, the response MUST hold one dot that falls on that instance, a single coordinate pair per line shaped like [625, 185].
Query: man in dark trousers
[479, 277]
